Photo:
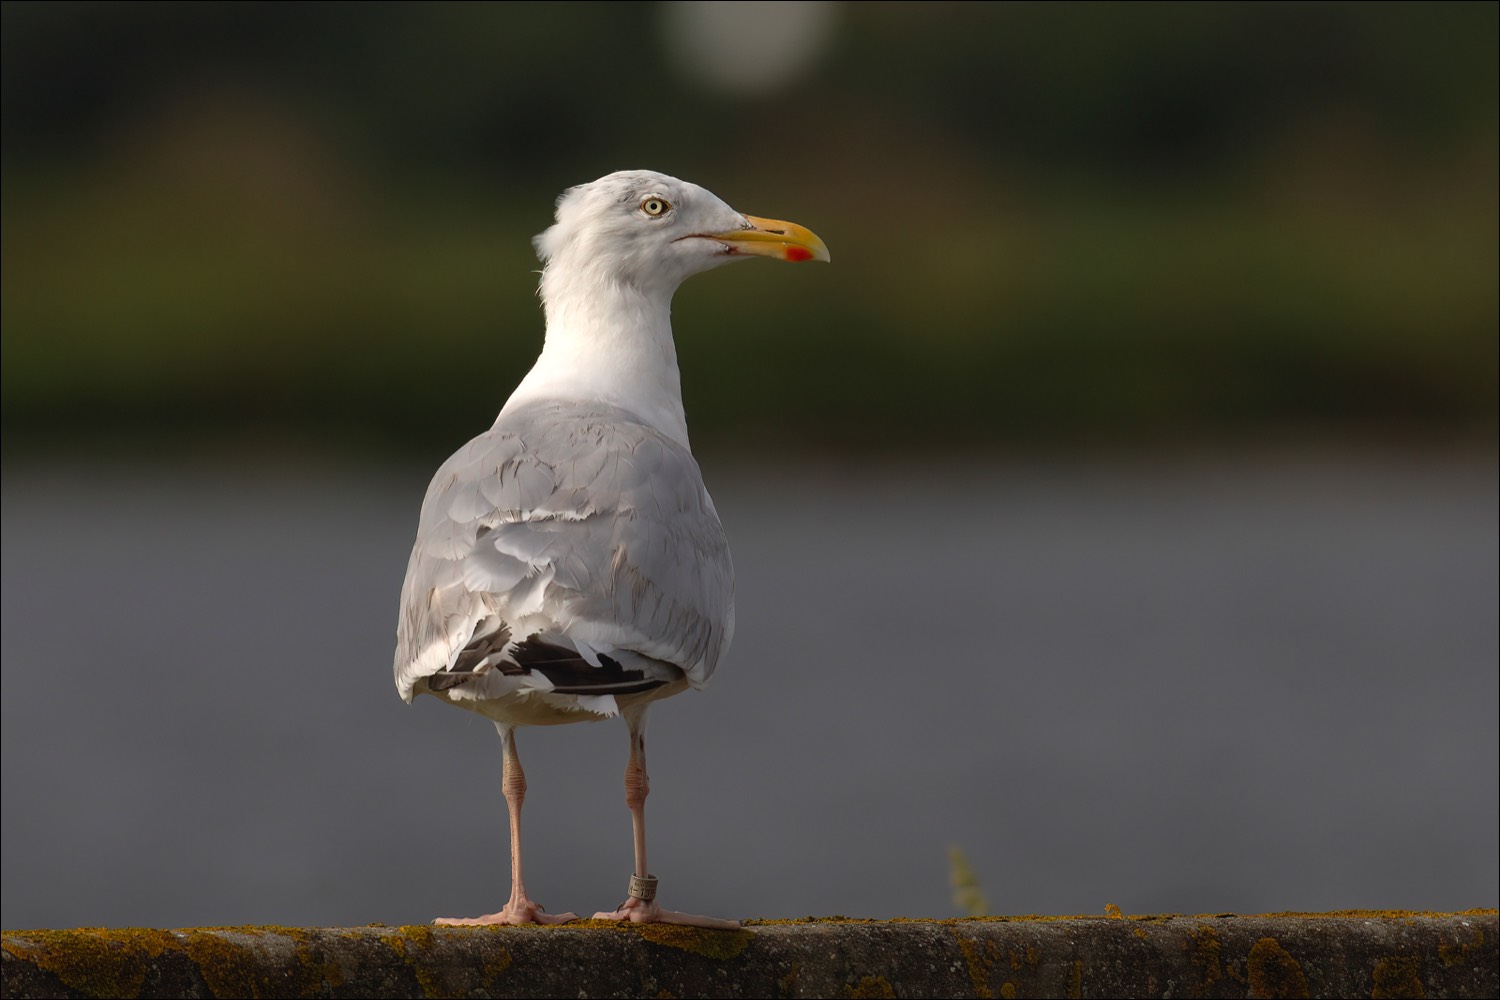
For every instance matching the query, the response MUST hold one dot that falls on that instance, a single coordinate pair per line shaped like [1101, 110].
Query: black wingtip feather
[569, 672]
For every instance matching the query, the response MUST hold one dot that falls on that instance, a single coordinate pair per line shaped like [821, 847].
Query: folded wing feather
[569, 548]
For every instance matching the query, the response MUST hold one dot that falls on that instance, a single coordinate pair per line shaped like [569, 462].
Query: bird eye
[656, 207]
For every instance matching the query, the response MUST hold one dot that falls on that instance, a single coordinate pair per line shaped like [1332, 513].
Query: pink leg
[520, 909]
[637, 787]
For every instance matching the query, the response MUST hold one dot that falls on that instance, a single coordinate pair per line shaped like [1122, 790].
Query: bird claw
[525, 912]
[639, 911]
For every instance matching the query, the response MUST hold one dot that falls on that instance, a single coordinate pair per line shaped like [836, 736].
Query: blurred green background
[307, 225]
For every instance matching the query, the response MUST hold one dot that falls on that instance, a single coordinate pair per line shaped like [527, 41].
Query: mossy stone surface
[1355, 953]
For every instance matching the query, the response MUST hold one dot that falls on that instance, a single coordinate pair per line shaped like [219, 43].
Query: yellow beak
[771, 238]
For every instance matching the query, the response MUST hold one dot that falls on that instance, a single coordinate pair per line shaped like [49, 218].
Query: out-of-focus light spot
[747, 48]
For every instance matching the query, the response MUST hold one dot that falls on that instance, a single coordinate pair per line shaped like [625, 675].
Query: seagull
[569, 564]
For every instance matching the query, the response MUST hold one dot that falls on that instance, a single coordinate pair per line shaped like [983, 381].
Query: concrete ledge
[1373, 954]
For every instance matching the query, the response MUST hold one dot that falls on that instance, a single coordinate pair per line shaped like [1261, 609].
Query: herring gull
[569, 565]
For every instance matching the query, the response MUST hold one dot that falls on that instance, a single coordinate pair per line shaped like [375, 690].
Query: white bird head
[619, 249]
[642, 228]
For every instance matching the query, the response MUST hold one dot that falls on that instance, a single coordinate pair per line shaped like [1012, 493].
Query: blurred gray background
[1120, 507]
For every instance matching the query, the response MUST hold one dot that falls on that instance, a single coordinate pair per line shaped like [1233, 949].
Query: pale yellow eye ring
[656, 207]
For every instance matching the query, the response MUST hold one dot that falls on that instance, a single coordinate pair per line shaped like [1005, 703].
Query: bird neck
[612, 342]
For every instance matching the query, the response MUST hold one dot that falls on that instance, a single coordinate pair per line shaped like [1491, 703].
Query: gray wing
[573, 523]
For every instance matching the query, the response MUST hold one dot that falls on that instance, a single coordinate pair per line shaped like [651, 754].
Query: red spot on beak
[798, 254]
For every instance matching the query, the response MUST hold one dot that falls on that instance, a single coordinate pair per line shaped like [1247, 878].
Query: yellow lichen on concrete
[97, 961]
[979, 959]
[796, 921]
[495, 966]
[1203, 947]
[396, 942]
[315, 970]
[1374, 914]
[1234, 973]
[1398, 977]
[1113, 912]
[411, 945]
[1398, 953]
[870, 988]
[233, 969]
[788, 983]
[421, 935]
[1274, 972]
[1460, 954]
[239, 970]
[714, 944]
[1023, 959]
[113, 963]
[229, 969]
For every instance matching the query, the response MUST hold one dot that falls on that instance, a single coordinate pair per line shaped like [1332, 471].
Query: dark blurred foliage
[1050, 223]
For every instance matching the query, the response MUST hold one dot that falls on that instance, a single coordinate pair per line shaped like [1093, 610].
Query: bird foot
[515, 912]
[639, 911]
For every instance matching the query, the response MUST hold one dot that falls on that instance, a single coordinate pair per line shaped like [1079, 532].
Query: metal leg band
[643, 887]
